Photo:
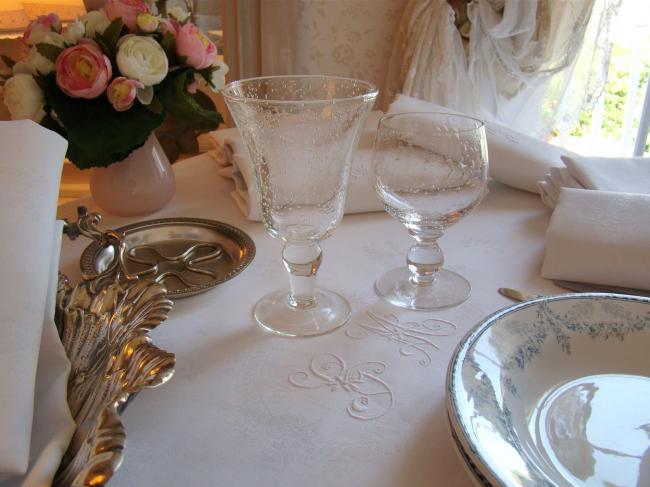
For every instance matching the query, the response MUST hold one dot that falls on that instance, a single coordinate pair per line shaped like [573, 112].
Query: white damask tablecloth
[238, 411]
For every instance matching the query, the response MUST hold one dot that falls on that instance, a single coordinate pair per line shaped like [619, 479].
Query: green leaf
[186, 108]
[42, 83]
[109, 39]
[103, 44]
[206, 73]
[8, 61]
[168, 43]
[49, 123]
[110, 51]
[49, 51]
[97, 134]
[155, 106]
[113, 32]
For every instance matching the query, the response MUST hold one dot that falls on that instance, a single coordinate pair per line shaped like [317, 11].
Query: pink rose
[192, 44]
[83, 71]
[41, 26]
[128, 10]
[122, 92]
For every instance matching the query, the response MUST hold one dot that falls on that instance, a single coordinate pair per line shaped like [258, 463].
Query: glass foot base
[449, 289]
[274, 314]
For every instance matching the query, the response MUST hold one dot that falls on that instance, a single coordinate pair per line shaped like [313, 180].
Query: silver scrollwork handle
[87, 226]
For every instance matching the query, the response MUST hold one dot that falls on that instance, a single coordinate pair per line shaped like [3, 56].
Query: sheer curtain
[587, 79]
[509, 62]
[428, 60]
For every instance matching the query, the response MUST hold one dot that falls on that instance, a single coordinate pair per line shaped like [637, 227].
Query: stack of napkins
[621, 175]
[35, 422]
[600, 229]
[516, 160]
[235, 164]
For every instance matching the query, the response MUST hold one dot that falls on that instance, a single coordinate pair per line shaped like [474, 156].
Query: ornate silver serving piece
[104, 323]
[188, 255]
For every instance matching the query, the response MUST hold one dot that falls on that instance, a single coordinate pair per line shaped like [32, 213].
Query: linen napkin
[516, 159]
[231, 155]
[52, 426]
[31, 159]
[599, 237]
[625, 175]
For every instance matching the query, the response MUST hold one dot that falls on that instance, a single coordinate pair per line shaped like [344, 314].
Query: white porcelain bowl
[556, 391]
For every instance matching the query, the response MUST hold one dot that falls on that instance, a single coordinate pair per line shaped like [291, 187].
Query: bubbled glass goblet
[300, 132]
[429, 170]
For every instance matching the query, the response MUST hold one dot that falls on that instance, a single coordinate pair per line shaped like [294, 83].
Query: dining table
[362, 406]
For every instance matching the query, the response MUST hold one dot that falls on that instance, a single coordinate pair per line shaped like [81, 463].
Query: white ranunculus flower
[36, 37]
[179, 13]
[141, 58]
[22, 67]
[74, 31]
[37, 61]
[24, 98]
[179, 9]
[218, 76]
[95, 21]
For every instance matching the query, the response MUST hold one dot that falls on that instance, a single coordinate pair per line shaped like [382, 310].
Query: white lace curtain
[509, 61]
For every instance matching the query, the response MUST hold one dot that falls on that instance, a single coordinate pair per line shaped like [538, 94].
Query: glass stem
[425, 258]
[302, 260]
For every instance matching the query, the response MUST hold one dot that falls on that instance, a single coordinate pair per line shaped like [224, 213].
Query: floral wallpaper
[352, 38]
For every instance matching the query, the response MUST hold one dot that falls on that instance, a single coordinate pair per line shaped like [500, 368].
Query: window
[616, 111]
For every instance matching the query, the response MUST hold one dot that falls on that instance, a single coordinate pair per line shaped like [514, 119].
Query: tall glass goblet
[429, 170]
[300, 132]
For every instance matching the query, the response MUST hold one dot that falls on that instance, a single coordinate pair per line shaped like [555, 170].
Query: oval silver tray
[188, 255]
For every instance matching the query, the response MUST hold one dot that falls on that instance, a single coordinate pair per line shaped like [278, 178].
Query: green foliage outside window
[615, 93]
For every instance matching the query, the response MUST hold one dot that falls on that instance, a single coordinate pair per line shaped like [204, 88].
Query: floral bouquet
[107, 80]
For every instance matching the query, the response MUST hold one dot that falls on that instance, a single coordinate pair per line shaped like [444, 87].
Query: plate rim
[471, 470]
[87, 259]
[460, 352]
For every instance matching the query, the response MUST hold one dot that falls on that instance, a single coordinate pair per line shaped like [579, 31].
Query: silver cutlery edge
[599, 288]
[580, 287]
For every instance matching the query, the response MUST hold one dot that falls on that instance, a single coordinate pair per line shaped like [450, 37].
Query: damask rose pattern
[351, 38]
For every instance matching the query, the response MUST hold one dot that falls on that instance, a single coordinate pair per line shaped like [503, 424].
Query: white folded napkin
[234, 163]
[52, 426]
[31, 159]
[226, 143]
[618, 174]
[599, 237]
[516, 159]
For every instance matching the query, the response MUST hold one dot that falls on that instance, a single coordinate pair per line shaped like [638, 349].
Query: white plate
[556, 391]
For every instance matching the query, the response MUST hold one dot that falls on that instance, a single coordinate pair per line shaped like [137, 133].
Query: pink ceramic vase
[139, 185]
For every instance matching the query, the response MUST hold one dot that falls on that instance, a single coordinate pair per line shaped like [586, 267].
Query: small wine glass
[429, 170]
[300, 132]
